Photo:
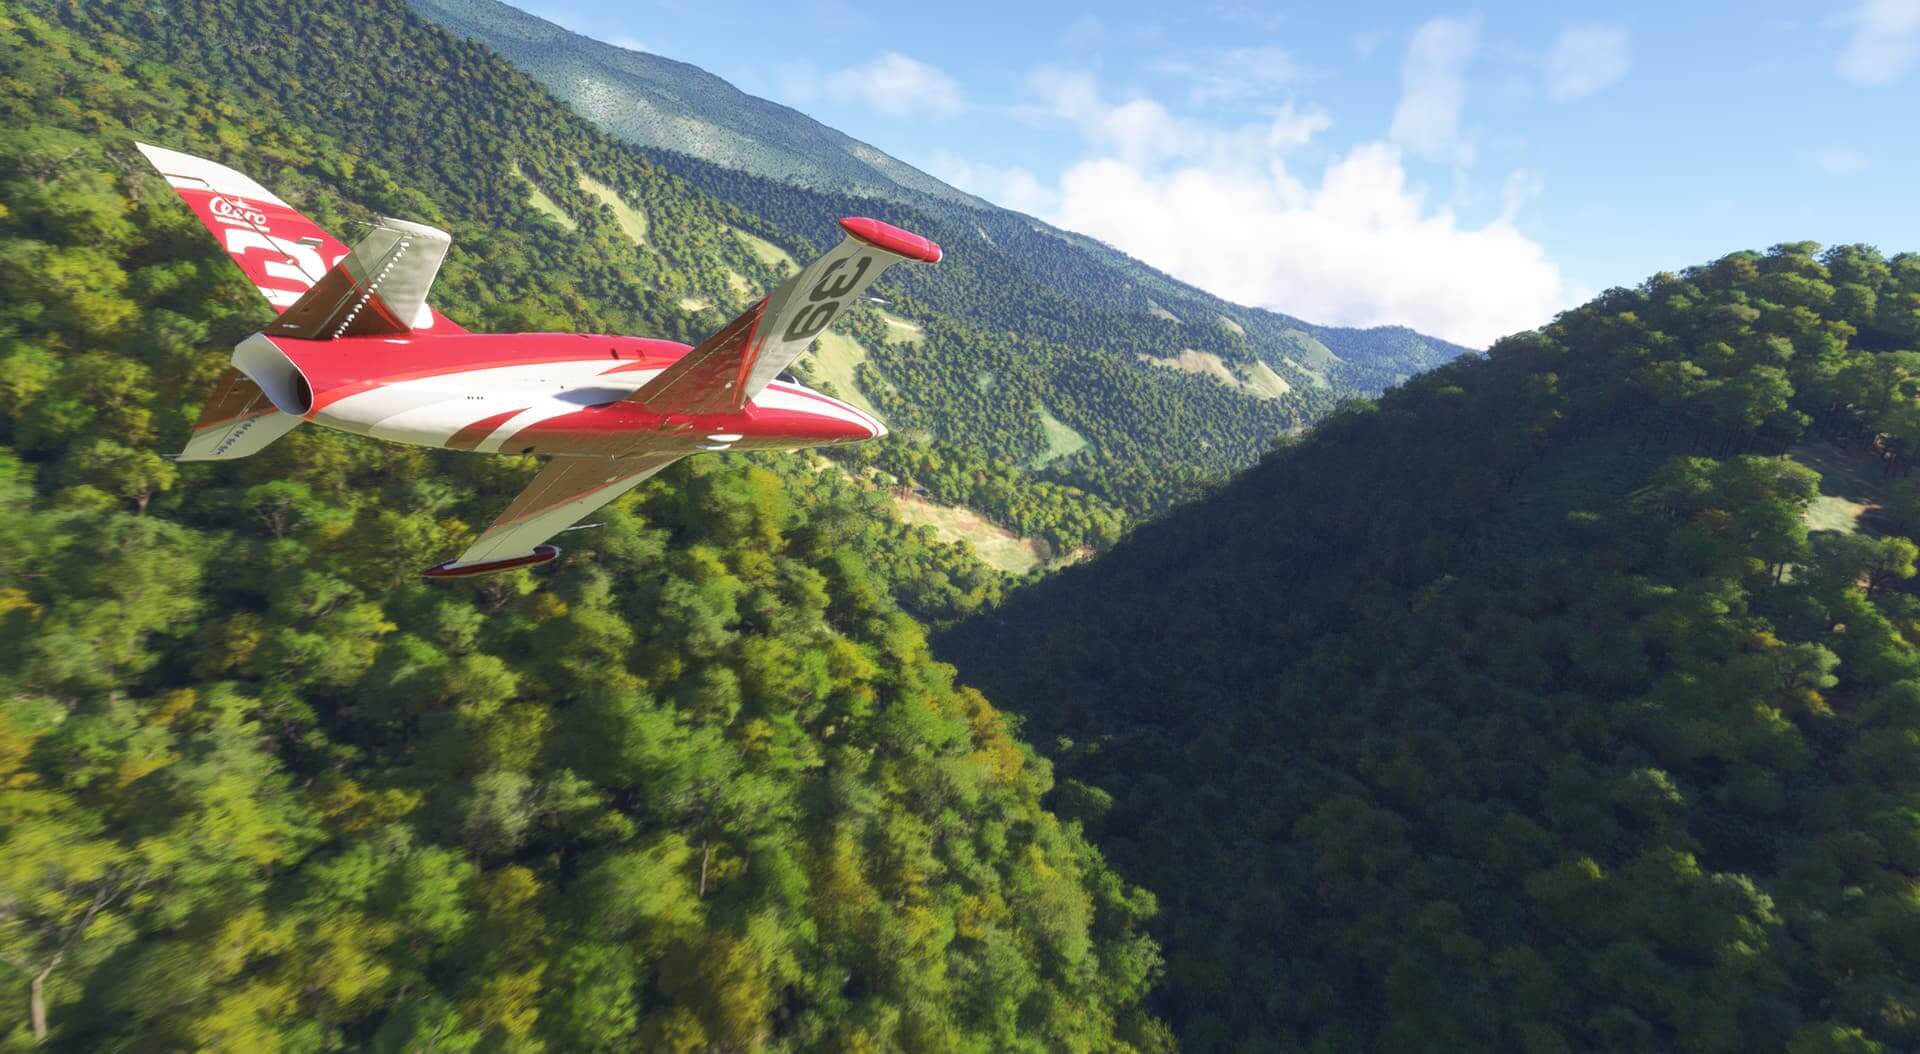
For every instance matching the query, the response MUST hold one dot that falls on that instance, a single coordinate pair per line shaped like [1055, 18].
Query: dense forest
[697, 787]
[1568, 698]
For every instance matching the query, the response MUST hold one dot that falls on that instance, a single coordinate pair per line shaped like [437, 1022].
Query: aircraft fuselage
[530, 393]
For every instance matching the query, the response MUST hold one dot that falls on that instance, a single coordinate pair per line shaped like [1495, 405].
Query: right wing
[733, 365]
[566, 490]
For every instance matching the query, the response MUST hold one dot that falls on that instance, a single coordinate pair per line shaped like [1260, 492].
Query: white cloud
[1433, 89]
[1012, 187]
[1885, 43]
[1233, 73]
[1142, 131]
[631, 43]
[1223, 209]
[1361, 248]
[897, 86]
[1586, 59]
[1522, 188]
[1838, 160]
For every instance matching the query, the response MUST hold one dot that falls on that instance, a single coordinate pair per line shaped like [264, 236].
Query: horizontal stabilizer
[238, 420]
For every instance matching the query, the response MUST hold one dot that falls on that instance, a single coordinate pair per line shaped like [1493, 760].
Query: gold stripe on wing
[584, 482]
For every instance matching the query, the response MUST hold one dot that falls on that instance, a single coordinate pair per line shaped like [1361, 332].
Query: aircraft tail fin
[287, 256]
[380, 289]
[238, 420]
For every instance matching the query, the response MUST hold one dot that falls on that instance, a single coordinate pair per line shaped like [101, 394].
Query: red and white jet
[357, 348]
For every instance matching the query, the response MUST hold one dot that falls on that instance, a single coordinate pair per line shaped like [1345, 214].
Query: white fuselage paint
[430, 410]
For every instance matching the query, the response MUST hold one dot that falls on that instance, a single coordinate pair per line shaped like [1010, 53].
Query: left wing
[733, 365]
[566, 490]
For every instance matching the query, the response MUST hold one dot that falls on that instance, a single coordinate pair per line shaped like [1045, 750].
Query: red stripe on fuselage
[471, 436]
[340, 368]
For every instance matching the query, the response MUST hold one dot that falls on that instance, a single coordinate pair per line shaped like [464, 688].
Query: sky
[1467, 171]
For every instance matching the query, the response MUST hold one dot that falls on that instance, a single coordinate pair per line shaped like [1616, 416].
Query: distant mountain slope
[1552, 703]
[683, 111]
[653, 101]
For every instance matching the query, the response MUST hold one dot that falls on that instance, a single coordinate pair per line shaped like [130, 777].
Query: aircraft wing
[734, 364]
[565, 491]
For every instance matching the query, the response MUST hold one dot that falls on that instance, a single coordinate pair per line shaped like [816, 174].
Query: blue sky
[1464, 170]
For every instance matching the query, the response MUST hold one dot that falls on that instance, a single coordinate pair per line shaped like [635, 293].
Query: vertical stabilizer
[379, 290]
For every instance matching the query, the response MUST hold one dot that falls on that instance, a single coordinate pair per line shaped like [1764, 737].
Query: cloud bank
[1225, 209]
[1885, 42]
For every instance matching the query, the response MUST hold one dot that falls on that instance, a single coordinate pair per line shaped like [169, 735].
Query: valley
[1174, 676]
[1594, 654]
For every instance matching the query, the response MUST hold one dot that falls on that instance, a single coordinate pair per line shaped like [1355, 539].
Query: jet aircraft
[357, 348]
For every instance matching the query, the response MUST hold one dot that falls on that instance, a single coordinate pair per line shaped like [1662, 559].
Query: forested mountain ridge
[1543, 721]
[699, 786]
[778, 163]
[650, 100]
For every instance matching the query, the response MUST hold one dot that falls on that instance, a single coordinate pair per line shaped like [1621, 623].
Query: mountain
[1101, 342]
[653, 101]
[1568, 698]
[682, 110]
[698, 787]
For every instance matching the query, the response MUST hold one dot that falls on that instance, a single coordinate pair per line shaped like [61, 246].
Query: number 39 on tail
[357, 348]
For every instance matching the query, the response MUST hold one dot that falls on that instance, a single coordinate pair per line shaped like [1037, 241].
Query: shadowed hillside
[1524, 710]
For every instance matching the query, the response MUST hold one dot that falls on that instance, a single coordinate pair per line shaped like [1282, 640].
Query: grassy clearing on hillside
[1160, 312]
[544, 205]
[1318, 379]
[902, 330]
[1062, 440]
[1203, 363]
[770, 254]
[1263, 382]
[1849, 488]
[1232, 327]
[633, 222]
[1830, 513]
[1310, 352]
[835, 360]
[992, 543]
